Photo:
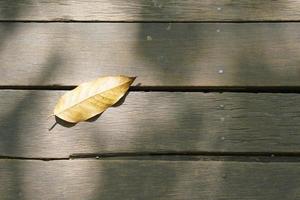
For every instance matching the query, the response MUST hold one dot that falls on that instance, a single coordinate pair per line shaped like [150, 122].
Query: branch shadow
[165, 47]
[12, 123]
[10, 10]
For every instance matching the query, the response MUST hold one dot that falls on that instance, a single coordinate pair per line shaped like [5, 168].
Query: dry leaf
[92, 98]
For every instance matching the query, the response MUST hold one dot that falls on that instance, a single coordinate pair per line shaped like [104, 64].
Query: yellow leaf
[92, 98]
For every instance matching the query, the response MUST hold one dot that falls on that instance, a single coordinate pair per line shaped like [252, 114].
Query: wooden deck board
[213, 54]
[156, 10]
[211, 50]
[153, 122]
[90, 179]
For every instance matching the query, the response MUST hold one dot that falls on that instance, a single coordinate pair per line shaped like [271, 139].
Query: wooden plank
[159, 54]
[90, 179]
[155, 10]
[153, 122]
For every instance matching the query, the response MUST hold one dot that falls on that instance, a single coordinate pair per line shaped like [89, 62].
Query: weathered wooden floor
[213, 114]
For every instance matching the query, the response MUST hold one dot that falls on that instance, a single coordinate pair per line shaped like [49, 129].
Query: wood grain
[153, 122]
[155, 10]
[90, 179]
[189, 54]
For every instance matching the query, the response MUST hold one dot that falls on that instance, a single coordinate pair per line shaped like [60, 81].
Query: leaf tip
[132, 78]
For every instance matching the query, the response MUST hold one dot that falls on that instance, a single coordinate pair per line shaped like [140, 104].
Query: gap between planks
[205, 89]
[176, 156]
[153, 21]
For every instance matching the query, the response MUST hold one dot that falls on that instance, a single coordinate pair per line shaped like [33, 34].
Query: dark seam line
[196, 156]
[149, 21]
[30, 158]
[188, 153]
[177, 156]
[205, 89]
